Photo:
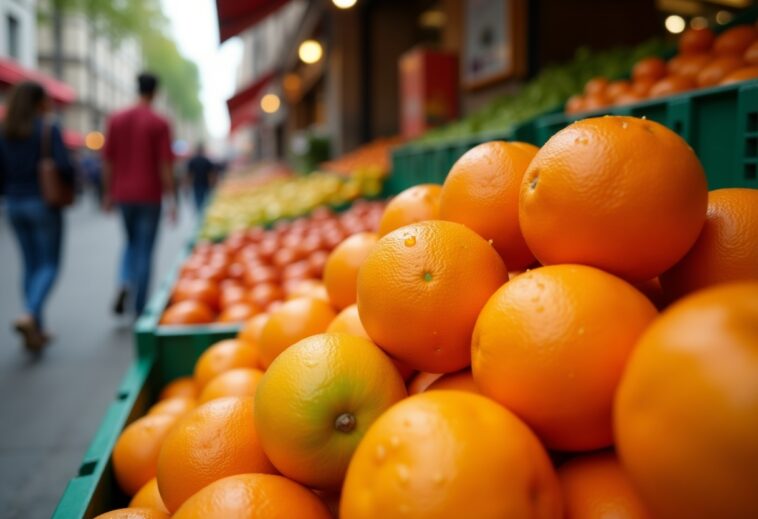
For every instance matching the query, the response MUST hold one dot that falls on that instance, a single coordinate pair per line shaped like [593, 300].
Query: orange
[450, 455]
[291, 322]
[622, 194]
[575, 104]
[461, 380]
[252, 328]
[135, 455]
[223, 356]
[204, 290]
[596, 86]
[596, 101]
[718, 69]
[420, 290]
[596, 487]
[741, 74]
[235, 382]
[551, 346]
[629, 98]
[642, 87]
[149, 497]
[736, 40]
[238, 312]
[649, 68]
[686, 412]
[231, 294]
[751, 54]
[308, 288]
[671, 85]
[316, 401]
[341, 269]
[415, 204]
[253, 496]
[186, 313]
[422, 381]
[134, 513]
[214, 441]
[180, 387]
[481, 192]
[689, 65]
[694, 41]
[348, 321]
[618, 88]
[265, 293]
[177, 406]
[727, 248]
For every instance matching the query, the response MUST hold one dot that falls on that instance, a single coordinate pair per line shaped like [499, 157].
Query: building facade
[103, 72]
[18, 31]
[264, 47]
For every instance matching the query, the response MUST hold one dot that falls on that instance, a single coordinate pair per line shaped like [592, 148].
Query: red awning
[234, 16]
[243, 106]
[12, 73]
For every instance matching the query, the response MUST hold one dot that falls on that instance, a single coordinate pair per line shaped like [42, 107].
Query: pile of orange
[704, 60]
[231, 281]
[494, 354]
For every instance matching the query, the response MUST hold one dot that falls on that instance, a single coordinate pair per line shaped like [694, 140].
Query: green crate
[94, 489]
[720, 123]
[415, 164]
[163, 354]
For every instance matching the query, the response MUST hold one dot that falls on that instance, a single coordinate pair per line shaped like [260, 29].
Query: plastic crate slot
[751, 171]
[751, 147]
[678, 127]
[752, 121]
[122, 395]
[87, 469]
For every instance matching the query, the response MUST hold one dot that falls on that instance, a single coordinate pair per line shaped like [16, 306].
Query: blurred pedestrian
[202, 175]
[137, 175]
[32, 155]
[92, 172]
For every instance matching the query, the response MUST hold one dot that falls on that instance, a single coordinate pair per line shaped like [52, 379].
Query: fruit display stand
[173, 341]
[720, 123]
[94, 490]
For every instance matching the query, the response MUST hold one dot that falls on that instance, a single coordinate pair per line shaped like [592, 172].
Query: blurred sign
[428, 90]
[493, 41]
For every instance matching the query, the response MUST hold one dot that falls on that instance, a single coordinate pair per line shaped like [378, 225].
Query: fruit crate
[170, 342]
[720, 123]
[414, 164]
[94, 490]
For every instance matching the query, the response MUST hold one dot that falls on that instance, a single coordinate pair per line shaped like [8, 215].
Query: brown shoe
[34, 339]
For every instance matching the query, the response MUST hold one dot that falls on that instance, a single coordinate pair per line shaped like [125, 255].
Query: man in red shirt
[137, 173]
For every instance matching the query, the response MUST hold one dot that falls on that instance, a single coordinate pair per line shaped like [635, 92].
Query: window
[14, 30]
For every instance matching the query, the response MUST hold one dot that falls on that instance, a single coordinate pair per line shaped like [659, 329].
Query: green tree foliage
[144, 20]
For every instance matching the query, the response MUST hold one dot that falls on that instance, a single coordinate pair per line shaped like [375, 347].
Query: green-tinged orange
[316, 401]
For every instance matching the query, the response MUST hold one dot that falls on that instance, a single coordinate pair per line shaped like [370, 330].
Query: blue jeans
[39, 231]
[141, 225]
[200, 194]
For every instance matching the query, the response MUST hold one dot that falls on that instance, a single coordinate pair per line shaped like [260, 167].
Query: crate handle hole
[751, 171]
[122, 395]
[87, 469]
[751, 147]
[752, 122]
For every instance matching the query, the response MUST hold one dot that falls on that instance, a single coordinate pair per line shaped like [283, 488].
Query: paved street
[51, 407]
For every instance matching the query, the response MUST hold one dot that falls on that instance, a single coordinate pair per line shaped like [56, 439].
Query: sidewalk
[51, 408]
